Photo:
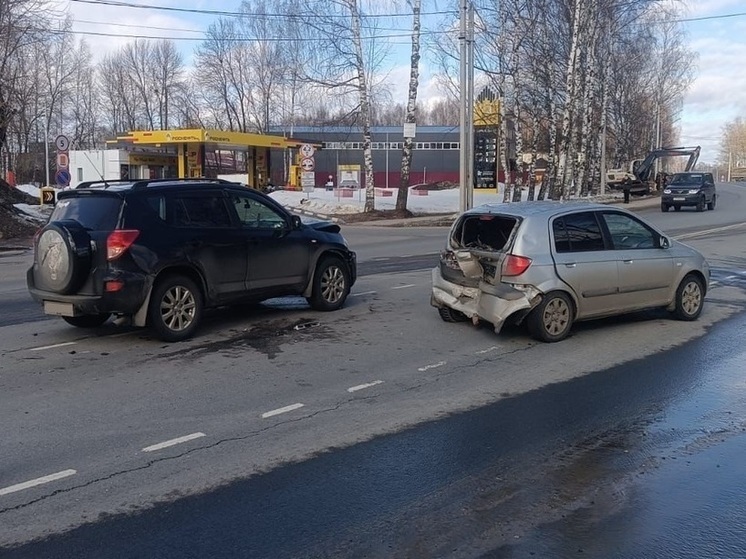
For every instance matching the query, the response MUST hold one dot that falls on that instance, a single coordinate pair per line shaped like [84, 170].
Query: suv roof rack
[104, 183]
[138, 184]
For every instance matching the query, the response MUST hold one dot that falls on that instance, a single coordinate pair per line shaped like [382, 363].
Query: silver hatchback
[553, 263]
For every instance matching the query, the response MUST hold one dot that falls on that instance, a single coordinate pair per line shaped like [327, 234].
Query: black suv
[689, 189]
[162, 251]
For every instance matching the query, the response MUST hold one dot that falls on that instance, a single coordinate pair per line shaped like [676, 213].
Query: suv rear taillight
[119, 241]
[515, 265]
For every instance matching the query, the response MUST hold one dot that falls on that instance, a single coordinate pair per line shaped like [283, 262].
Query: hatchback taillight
[515, 265]
[119, 241]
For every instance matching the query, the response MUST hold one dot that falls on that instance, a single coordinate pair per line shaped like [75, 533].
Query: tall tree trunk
[411, 116]
[570, 89]
[364, 106]
[518, 189]
[534, 155]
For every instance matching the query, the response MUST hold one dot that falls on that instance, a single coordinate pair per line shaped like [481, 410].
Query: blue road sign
[62, 177]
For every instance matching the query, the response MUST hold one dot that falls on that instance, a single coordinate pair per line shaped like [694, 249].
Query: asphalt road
[377, 430]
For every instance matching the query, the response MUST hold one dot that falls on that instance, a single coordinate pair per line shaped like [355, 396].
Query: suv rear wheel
[711, 203]
[551, 320]
[331, 284]
[176, 308]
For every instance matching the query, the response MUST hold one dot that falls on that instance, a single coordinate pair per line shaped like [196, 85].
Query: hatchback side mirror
[663, 242]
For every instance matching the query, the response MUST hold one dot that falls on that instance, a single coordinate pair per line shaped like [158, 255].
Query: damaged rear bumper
[493, 303]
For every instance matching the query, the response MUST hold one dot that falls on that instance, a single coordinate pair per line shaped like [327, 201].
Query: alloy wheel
[178, 308]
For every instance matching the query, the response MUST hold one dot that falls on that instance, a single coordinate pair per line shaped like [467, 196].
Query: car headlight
[693, 190]
[666, 191]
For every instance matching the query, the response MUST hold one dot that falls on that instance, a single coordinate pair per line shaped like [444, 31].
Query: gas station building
[252, 159]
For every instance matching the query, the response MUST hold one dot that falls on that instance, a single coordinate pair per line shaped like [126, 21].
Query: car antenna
[99, 173]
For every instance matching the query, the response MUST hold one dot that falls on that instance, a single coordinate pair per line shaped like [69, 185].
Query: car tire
[690, 298]
[450, 315]
[87, 321]
[552, 319]
[62, 258]
[331, 284]
[664, 207]
[711, 203]
[176, 308]
[701, 204]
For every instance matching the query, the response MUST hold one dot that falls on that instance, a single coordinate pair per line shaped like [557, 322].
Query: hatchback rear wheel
[551, 320]
[450, 315]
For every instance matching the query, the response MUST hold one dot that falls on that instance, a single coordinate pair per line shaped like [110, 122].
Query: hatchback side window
[255, 214]
[579, 232]
[626, 232]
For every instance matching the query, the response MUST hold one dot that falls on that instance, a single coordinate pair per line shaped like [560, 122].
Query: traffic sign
[62, 177]
[63, 160]
[62, 142]
[307, 164]
[307, 150]
[47, 196]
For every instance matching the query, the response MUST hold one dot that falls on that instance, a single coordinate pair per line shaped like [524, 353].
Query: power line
[304, 16]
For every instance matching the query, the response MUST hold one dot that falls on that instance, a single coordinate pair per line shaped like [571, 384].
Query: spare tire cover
[63, 257]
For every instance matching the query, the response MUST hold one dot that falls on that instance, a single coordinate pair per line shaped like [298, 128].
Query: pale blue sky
[718, 94]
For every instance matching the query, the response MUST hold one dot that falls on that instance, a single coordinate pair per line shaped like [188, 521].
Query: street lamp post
[46, 148]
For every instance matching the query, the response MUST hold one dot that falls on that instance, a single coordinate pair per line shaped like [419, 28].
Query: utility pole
[466, 163]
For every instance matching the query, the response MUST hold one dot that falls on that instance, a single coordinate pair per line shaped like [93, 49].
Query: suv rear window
[95, 213]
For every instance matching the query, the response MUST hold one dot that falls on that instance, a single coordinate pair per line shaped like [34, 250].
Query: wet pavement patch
[266, 337]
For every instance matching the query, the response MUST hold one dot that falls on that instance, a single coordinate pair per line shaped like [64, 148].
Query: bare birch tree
[411, 114]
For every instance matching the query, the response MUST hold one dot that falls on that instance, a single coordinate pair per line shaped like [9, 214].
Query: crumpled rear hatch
[478, 245]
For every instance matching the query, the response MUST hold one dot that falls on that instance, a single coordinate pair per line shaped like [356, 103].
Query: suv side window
[200, 210]
[255, 214]
[578, 232]
[627, 232]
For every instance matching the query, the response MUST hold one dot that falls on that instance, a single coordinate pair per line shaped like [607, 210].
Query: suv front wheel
[176, 308]
[331, 284]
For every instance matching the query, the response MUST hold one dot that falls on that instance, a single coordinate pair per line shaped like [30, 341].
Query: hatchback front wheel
[690, 298]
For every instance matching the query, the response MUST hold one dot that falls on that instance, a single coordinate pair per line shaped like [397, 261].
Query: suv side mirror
[295, 222]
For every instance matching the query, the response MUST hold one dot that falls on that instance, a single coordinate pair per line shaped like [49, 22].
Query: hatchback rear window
[95, 213]
[485, 231]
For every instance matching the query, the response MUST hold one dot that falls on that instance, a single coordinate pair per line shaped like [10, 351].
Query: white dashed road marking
[433, 366]
[173, 442]
[363, 293]
[278, 411]
[52, 346]
[488, 350]
[364, 386]
[37, 481]
[404, 286]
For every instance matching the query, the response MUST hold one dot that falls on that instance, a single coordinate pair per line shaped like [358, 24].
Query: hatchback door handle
[630, 261]
[571, 265]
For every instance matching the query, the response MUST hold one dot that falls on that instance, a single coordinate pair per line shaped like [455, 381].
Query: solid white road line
[278, 411]
[433, 366]
[364, 386]
[363, 293]
[173, 442]
[404, 286]
[37, 481]
[52, 346]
